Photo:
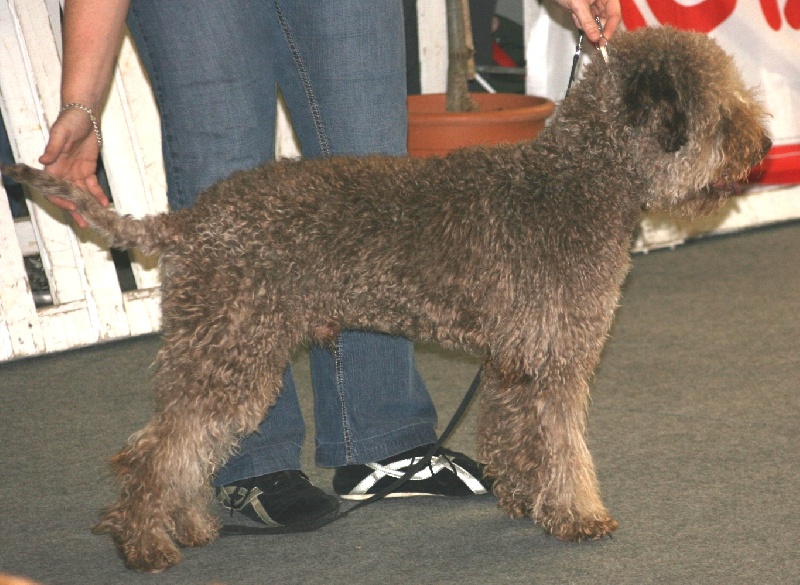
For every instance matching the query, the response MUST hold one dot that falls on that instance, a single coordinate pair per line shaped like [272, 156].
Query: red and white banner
[764, 38]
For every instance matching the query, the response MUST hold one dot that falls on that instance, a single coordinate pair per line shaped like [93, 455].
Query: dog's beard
[706, 200]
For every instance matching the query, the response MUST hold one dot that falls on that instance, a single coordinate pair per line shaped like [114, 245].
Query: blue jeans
[340, 66]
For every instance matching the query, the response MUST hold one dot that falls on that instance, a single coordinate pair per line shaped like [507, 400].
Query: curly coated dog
[515, 253]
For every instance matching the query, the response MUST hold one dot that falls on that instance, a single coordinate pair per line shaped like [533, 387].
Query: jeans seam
[347, 433]
[305, 80]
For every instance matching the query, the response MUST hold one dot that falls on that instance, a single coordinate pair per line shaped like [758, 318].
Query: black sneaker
[285, 501]
[449, 474]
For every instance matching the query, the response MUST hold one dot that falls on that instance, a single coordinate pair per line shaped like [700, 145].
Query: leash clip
[577, 56]
[600, 46]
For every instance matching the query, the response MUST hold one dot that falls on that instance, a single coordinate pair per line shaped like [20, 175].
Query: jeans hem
[260, 461]
[375, 448]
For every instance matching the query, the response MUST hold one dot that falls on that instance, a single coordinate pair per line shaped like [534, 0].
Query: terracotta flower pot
[503, 117]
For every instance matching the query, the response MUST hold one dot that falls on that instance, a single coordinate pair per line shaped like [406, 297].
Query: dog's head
[690, 127]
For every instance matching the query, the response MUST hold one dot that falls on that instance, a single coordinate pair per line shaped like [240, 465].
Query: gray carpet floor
[694, 428]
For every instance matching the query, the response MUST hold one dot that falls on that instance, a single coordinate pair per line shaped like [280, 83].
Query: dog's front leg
[531, 435]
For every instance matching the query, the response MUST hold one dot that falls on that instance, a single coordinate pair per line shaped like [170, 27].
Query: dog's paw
[150, 556]
[578, 529]
[151, 552]
[196, 529]
[152, 560]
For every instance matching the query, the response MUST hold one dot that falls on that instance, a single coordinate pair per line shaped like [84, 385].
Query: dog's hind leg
[160, 478]
[531, 435]
[155, 489]
[212, 386]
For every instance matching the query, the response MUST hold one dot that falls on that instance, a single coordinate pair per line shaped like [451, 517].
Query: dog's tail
[121, 231]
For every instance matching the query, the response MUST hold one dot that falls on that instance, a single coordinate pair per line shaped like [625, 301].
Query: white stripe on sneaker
[397, 469]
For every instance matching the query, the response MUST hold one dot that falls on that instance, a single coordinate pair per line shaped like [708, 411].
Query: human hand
[584, 12]
[71, 154]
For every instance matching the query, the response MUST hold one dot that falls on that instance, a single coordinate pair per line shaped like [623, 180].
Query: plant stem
[460, 57]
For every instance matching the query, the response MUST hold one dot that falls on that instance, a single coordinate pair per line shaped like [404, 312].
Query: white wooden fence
[88, 305]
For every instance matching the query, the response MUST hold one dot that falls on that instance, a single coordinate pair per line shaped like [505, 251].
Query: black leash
[422, 463]
[577, 56]
[575, 60]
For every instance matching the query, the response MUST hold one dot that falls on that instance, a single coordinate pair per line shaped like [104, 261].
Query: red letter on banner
[792, 12]
[702, 17]
[772, 13]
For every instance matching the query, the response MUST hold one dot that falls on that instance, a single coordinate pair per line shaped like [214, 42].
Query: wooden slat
[25, 237]
[66, 326]
[20, 332]
[135, 172]
[143, 308]
[141, 114]
[432, 28]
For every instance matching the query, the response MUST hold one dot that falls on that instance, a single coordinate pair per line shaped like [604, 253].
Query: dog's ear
[651, 95]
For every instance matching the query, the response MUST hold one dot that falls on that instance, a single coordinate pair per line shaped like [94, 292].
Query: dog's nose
[759, 156]
[766, 144]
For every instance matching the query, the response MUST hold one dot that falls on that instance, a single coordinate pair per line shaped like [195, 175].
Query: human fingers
[583, 17]
[584, 13]
[610, 14]
[92, 185]
[70, 208]
[78, 218]
[59, 135]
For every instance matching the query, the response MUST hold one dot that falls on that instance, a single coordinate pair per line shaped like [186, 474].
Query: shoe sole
[359, 497]
[255, 529]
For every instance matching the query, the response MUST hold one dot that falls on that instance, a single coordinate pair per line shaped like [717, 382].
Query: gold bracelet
[88, 110]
